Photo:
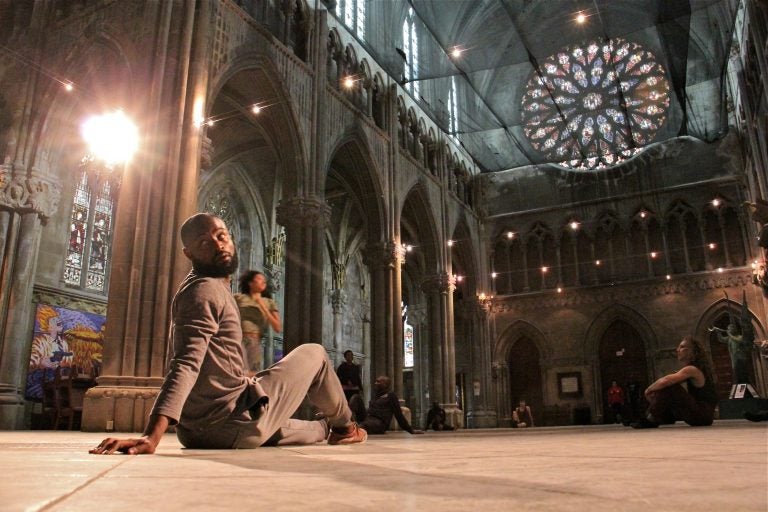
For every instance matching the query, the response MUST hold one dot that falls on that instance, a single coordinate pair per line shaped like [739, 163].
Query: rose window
[595, 106]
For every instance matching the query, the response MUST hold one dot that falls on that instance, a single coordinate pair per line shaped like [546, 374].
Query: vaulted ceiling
[581, 84]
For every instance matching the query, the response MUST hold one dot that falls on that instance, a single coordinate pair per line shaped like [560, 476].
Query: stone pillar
[305, 220]
[439, 289]
[26, 199]
[500, 376]
[417, 316]
[147, 258]
[483, 413]
[384, 263]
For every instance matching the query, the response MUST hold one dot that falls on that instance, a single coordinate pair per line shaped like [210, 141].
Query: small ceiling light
[643, 214]
[544, 269]
[559, 290]
[349, 82]
[493, 275]
[210, 122]
[654, 254]
[598, 262]
[459, 279]
[581, 18]
[669, 277]
[574, 225]
[720, 270]
[408, 248]
[716, 202]
[68, 86]
[510, 235]
[450, 243]
[482, 296]
[712, 246]
[456, 52]
[256, 109]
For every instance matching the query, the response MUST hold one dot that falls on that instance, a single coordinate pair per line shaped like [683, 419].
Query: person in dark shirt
[436, 418]
[384, 405]
[349, 375]
[688, 395]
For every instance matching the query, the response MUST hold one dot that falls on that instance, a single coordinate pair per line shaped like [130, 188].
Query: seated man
[521, 416]
[207, 394]
[383, 406]
[436, 418]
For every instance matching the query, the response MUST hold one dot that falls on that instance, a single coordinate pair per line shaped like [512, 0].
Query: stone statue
[740, 337]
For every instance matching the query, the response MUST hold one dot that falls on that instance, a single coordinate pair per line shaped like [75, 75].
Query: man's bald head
[208, 244]
[193, 226]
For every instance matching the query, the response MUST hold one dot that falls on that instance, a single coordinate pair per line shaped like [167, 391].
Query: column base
[481, 419]
[393, 426]
[453, 416]
[11, 408]
[117, 408]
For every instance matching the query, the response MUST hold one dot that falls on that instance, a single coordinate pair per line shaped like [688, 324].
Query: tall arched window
[411, 50]
[453, 112]
[90, 236]
[352, 14]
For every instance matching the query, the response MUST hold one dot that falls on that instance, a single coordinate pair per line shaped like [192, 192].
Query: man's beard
[216, 269]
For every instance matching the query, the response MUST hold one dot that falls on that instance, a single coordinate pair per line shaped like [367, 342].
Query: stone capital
[303, 212]
[29, 192]
[439, 283]
[384, 255]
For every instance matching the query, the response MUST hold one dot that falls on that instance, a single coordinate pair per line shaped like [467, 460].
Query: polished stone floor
[590, 468]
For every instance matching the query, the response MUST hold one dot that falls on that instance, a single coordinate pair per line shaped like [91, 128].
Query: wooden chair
[65, 408]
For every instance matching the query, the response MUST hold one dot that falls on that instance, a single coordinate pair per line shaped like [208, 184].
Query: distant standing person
[257, 312]
[688, 395]
[616, 400]
[521, 416]
[349, 375]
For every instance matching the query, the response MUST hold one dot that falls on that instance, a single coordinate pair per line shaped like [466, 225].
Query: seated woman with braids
[687, 395]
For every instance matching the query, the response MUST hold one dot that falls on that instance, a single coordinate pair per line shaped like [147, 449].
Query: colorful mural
[63, 338]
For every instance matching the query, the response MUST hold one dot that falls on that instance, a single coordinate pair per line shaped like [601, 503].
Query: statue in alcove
[759, 213]
[740, 338]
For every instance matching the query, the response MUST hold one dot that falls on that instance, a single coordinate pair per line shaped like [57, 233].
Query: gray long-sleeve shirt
[205, 383]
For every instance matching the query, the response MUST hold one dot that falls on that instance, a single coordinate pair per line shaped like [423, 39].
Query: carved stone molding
[682, 285]
[439, 283]
[385, 255]
[35, 193]
[303, 212]
[69, 300]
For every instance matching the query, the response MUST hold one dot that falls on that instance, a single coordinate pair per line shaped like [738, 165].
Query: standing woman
[257, 312]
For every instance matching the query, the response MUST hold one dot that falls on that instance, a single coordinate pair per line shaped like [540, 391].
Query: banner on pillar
[63, 337]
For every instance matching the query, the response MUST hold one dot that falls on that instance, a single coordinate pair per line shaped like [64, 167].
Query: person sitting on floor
[207, 393]
[688, 394]
[521, 416]
[436, 418]
[384, 405]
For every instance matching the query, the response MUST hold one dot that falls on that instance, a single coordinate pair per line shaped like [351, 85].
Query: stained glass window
[411, 50]
[90, 233]
[352, 14]
[594, 106]
[408, 345]
[453, 117]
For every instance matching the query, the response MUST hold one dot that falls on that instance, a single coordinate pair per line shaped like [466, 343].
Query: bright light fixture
[111, 137]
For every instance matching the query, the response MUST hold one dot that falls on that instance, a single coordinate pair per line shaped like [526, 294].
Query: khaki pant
[306, 371]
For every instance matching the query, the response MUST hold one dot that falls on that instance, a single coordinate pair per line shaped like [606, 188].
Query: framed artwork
[63, 337]
[569, 385]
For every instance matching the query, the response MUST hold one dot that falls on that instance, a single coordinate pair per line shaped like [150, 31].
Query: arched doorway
[525, 376]
[622, 358]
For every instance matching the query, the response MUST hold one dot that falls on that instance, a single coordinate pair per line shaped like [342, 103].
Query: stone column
[500, 376]
[305, 220]
[26, 199]
[147, 260]
[439, 290]
[483, 414]
[384, 262]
